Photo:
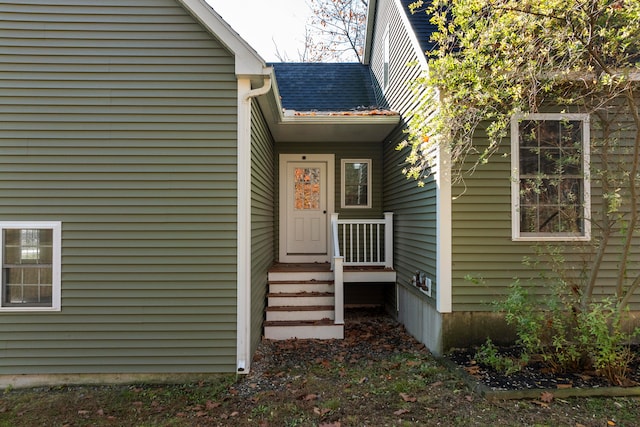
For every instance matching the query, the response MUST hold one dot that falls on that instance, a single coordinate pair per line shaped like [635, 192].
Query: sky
[267, 23]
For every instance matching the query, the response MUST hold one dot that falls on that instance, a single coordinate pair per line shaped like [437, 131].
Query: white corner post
[243, 306]
[388, 240]
[444, 295]
[337, 266]
[338, 284]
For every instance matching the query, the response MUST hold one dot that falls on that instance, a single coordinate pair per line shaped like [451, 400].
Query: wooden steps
[301, 305]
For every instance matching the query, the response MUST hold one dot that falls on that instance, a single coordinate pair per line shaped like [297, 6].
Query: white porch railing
[358, 242]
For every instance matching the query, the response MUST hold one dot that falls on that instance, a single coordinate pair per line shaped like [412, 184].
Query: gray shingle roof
[421, 26]
[325, 86]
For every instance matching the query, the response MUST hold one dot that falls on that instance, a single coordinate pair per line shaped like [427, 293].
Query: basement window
[31, 261]
[550, 186]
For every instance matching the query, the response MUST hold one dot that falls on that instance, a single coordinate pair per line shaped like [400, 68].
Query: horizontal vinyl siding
[414, 208]
[482, 244]
[262, 219]
[118, 118]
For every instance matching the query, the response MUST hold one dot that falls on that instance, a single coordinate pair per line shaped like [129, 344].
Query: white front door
[306, 203]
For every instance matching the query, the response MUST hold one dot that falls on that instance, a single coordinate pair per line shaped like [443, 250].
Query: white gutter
[243, 334]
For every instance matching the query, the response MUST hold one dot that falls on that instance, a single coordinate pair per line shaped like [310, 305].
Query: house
[167, 193]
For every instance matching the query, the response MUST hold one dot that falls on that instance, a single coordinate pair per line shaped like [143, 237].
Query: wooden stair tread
[322, 322]
[301, 282]
[300, 294]
[300, 308]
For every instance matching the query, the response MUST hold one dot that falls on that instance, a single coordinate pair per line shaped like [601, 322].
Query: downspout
[243, 345]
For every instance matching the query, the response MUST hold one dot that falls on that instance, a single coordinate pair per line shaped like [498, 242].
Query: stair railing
[338, 272]
[358, 242]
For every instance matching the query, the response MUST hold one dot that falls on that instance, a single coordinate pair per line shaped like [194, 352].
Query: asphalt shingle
[422, 27]
[325, 86]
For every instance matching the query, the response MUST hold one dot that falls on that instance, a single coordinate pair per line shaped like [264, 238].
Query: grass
[384, 379]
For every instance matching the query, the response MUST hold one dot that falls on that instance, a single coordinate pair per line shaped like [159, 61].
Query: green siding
[262, 219]
[118, 118]
[482, 244]
[414, 208]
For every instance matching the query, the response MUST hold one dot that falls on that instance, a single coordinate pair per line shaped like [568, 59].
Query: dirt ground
[377, 376]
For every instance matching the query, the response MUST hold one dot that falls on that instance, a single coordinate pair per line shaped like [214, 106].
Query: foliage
[488, 354]
[564, 339]
[501, 58]
[605, 340]
[335, 32]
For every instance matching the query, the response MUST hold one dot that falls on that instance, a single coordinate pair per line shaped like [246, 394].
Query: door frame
[284, 159]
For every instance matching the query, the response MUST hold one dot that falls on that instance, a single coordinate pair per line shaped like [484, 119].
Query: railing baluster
[366, 241]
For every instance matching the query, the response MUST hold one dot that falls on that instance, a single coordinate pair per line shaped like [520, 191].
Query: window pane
[551, 176]
[528, 161]
[356, 187]
[529, 219]
[27, 267]
[307, 188]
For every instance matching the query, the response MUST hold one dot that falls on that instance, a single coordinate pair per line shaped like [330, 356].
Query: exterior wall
[415, 209]
[262, 219]
[119, 119]
[484, 251]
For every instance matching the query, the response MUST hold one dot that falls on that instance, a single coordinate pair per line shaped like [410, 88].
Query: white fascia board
[248, 61]
[339, 118]
[371, 23]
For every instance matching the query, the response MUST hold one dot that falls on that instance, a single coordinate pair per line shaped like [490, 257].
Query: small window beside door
[356, 183]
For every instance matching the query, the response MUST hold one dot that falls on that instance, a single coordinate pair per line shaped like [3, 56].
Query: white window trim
[515, 181]
[56, 260]
[386, 63]
[343, 163]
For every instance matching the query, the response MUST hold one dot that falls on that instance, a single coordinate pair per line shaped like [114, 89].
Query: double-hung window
[30, 254]
[550, 186]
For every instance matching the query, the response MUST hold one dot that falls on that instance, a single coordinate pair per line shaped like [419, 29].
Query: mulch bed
[536, 376]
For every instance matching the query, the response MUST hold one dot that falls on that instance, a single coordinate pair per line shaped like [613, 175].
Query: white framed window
[31, 260]
[356, 183]
[550, 190]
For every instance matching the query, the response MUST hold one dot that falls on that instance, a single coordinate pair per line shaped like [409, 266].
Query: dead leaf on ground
[473, 370]
[309, 397]
[546, 397]
[408, 398]
[401, 412]
[611, 423]
[564, 386]
[212, 405]
[321, 411]
[334, 424]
